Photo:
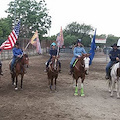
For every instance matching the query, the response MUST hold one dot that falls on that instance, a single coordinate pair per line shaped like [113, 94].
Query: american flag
[9, 43]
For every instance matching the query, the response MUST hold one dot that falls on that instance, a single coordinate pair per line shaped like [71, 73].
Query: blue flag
[92, 50]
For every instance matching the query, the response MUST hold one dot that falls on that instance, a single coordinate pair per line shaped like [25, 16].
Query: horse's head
[86, 61]
[54, 63]
[25, 59]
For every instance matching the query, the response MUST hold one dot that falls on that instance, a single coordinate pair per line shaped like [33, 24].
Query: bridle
[53, 65]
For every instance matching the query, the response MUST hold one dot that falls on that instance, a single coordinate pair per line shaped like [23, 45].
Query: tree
[77, 30]
[34, 16]
[5, 28]
[111, 39]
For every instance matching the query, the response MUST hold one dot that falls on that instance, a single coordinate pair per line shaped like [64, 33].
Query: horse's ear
[83, 54]
[88, 54]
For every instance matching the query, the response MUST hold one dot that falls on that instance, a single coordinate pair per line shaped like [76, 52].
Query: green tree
[5, 28]
[77, 30]
[111, 39]
[34, 16]
[69, 40]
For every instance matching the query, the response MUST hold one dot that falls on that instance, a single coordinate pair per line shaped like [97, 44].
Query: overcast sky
[100, 14]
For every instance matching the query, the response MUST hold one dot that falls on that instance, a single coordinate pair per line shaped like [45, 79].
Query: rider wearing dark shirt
[114, 56]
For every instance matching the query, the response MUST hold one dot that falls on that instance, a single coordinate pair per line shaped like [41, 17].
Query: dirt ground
[36, 102]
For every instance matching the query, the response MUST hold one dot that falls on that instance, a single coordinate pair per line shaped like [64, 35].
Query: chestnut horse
[53, 70]
[80, 68]
[19, 69]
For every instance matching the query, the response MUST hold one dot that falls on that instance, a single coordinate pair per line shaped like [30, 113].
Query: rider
[53, 52]
[77, 52]
[114, 56]
[17, 52]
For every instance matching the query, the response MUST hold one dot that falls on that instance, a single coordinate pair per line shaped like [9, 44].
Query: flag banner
[92, 49]
[118, 43]
[60, 40]
[100, 40]
[35, 42]
[12, 38]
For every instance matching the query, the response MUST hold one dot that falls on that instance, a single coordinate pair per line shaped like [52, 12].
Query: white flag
[118, 43]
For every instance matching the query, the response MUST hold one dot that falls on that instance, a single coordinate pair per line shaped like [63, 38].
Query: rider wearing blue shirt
[77, 52]
[114, 56]
[17, 52]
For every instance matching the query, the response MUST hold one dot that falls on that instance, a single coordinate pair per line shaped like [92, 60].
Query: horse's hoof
[109, 91]
[56, 90]
[118, 97]
[82, 95]
[75, 94]
[111, 95]
[16, 88]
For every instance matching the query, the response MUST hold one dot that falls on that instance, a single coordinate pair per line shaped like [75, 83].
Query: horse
[80, 69]
[52, 72]
[19, 69]
[114, 79]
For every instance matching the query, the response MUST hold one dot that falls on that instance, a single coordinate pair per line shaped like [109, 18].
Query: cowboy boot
[71, 71]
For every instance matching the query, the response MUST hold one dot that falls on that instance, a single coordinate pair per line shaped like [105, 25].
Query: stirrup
[1, 73]
[106, 77]
[70, 73]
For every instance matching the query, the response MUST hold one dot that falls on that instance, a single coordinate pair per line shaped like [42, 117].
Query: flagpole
[58, 51]
[27, 46]
[14, 12]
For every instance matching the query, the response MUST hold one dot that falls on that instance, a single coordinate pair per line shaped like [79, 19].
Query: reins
[51, 68]
[74, 65]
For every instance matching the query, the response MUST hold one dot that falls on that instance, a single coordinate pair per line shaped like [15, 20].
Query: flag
[60, 40]
[12, 38]
[92, 49]
[118, 43]
[35, 42]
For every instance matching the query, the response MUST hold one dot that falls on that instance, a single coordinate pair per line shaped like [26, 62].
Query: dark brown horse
[53, 71]
[80, 68]
[19, 69]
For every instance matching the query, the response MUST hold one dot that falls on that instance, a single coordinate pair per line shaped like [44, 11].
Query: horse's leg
[109, 84]
[21, 81]
[16, 83]
[13, 79]
[51, 83]
[76, 88]
[112, 86]
[82, 90]
[118, 95]
[55, 82]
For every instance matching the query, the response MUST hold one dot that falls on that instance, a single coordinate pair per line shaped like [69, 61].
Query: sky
[102, 15]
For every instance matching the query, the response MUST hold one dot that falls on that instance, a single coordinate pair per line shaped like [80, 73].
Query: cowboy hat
[114, 45]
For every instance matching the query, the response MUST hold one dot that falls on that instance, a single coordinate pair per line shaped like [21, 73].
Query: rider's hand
[117, 59]
[78, 55]
[18, 56]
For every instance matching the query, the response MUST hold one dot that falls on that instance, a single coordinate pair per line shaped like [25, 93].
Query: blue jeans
[109, 65]
[13, 62]
[72, 61]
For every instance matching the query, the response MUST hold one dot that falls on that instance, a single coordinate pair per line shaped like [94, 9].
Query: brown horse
[19, 69]
[53, 71]
[80, 68]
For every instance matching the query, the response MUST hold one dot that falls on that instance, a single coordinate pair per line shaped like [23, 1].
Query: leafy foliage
[5, 28]
[34, 16]
[75, 31]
